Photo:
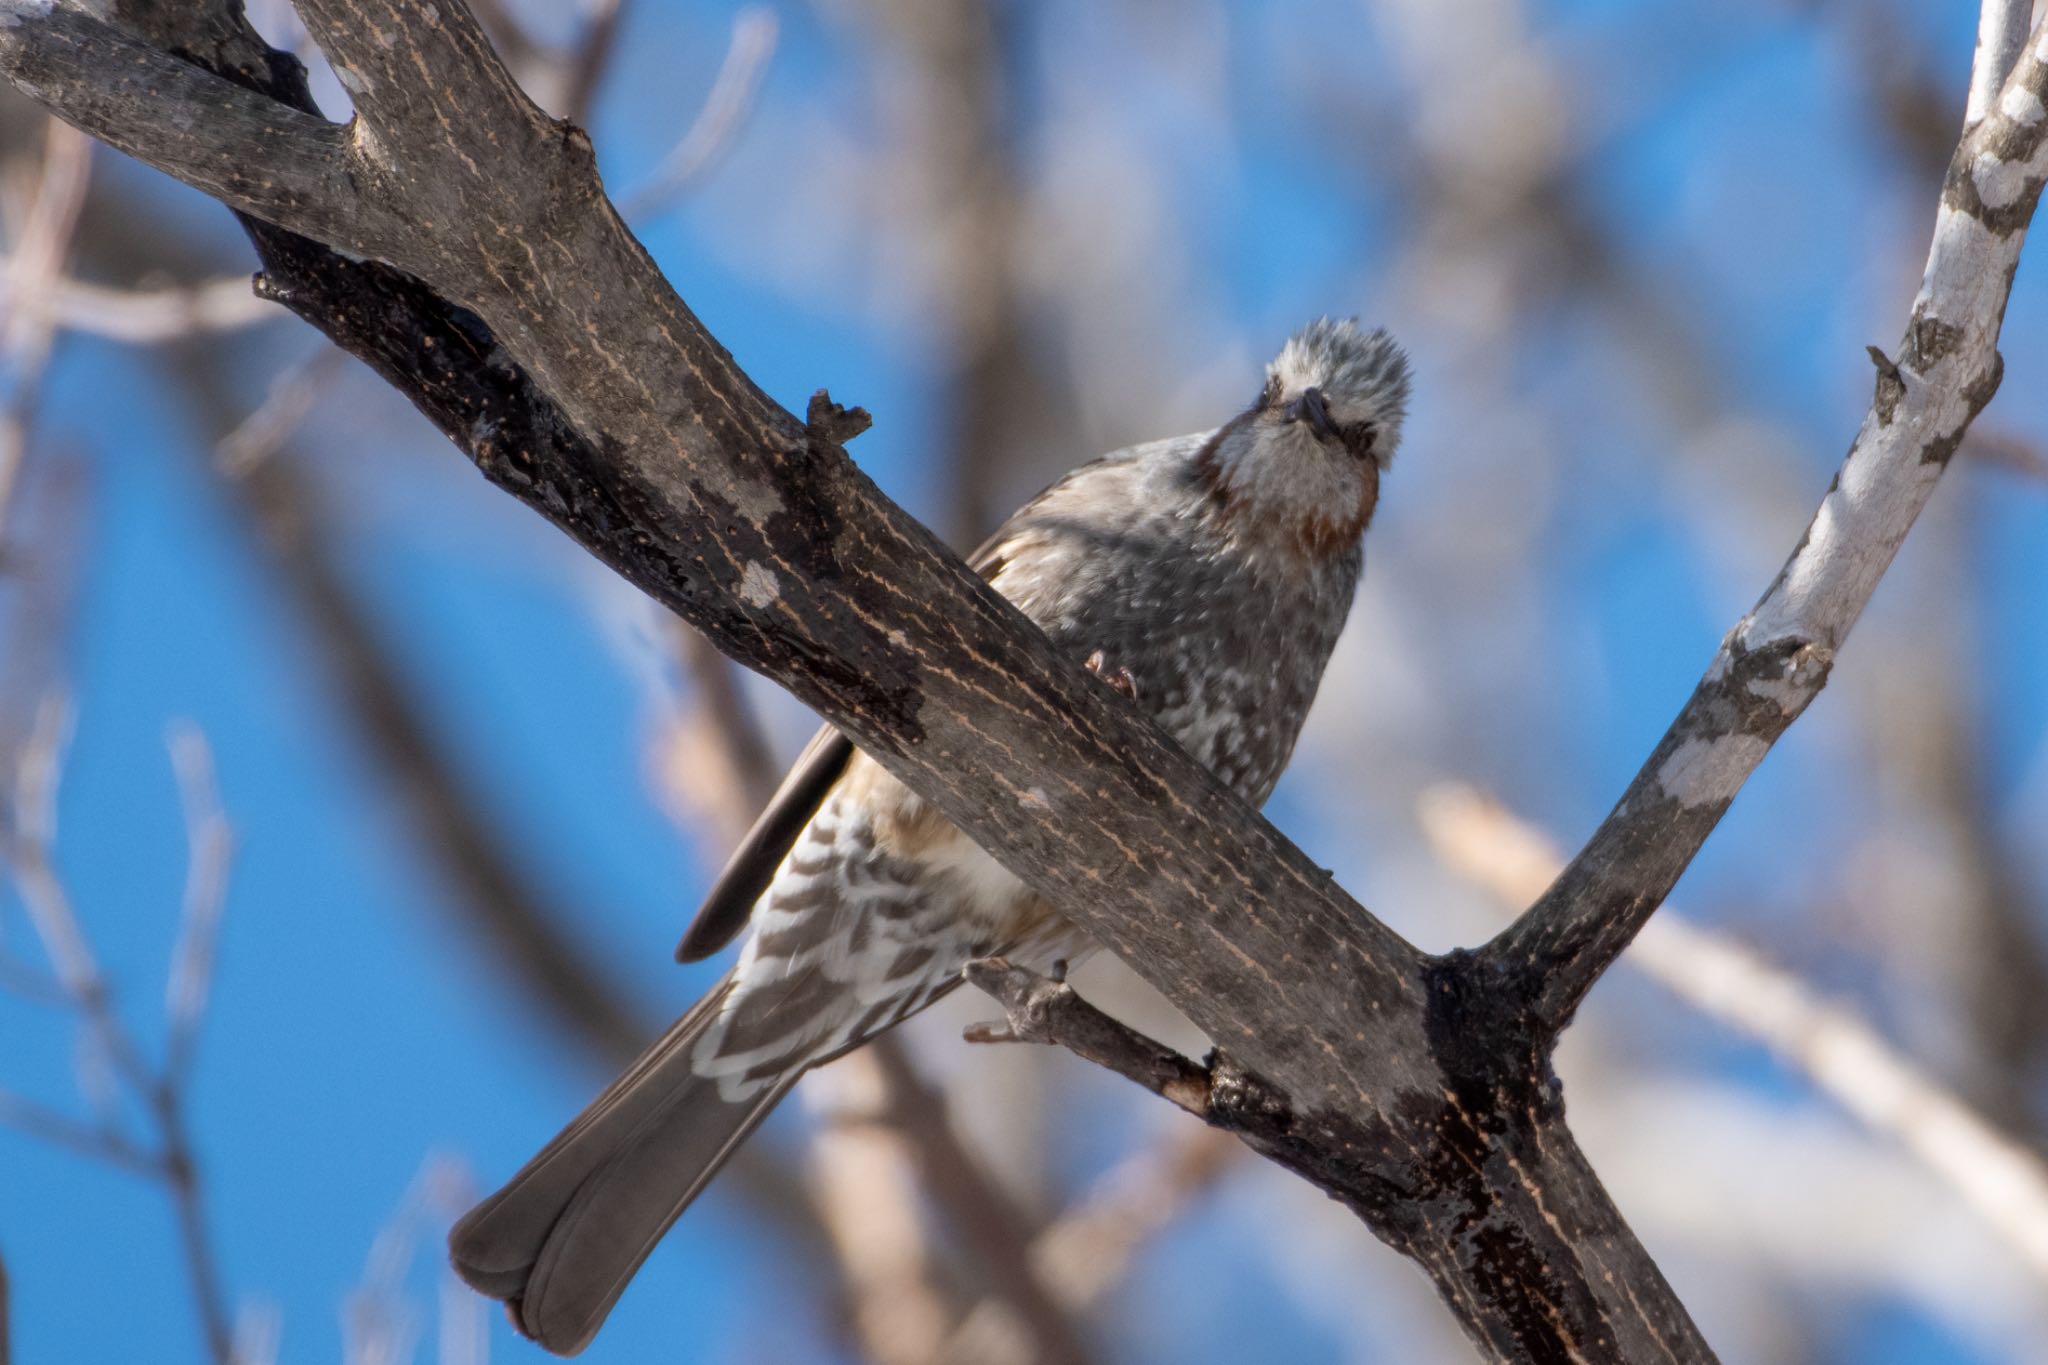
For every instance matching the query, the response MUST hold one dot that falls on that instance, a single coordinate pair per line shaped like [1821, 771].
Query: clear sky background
[1616, 438]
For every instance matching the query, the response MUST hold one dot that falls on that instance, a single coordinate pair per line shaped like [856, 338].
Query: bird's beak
[1311, 408]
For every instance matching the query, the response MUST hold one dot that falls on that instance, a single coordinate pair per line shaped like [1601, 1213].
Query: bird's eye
[1359, 438]
[1269, 394]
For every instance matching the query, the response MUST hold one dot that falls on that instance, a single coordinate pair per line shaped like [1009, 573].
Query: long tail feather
[562, 1239]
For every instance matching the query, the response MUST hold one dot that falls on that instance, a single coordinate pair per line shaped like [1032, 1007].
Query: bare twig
[211, 842]
[38, 256]
[2008, 450]
[1086, 1252]
[91, 1140]
[257, 1334]
[518, 47]
[715, 764]
[32, 984]
[160, 1092]
[1844, 1056]
[188, 1199]
[381, 1321]
[282, 412]
[718, 122]
[1042, 1009]
[25, 325]
[28, 854]
[1217, 1090]
[964, 204]
[150, 316]
[863, 1178]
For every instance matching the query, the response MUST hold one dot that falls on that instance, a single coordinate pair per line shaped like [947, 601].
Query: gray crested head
[1301, 467]
[1361, 375]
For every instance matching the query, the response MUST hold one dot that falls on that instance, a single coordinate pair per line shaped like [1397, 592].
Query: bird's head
[1301, 466]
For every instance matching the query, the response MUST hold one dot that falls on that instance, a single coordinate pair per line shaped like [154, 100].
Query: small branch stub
[1891, 384]
[826, 421]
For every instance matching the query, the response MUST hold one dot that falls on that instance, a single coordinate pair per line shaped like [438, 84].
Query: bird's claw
[1118, 678]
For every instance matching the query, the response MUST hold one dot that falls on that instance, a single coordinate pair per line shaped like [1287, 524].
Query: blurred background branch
[718, 122]
[113, 1066]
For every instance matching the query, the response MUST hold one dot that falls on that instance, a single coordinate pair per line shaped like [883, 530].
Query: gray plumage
[1215, 569]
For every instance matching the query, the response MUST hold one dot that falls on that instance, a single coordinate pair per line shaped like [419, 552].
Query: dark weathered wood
[508, 300]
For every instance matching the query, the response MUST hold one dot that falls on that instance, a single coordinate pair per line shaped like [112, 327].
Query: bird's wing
[752, 866]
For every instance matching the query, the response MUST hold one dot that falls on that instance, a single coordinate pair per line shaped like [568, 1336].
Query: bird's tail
[560, 1242]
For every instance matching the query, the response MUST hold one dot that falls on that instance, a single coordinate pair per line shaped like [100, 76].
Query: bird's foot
[1118, 678]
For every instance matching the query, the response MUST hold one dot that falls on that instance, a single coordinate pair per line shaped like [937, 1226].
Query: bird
[1206, 577]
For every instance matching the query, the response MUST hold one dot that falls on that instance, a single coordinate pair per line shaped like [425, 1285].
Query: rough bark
[506, 297]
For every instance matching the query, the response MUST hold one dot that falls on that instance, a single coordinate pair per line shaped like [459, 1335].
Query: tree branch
[1042, 1009]
[1045, 1009]
[40, 253]
[168, 1156]
[149, 316]
[1777, 658]
[592, 59]
[862, 1175]
[251, 153]
[1334, 1159]
[1838, 1051]
[2002, 27]
[983, 1216]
